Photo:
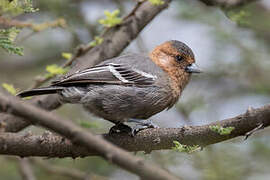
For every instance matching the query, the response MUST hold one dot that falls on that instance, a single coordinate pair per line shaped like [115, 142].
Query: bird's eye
[179, 58]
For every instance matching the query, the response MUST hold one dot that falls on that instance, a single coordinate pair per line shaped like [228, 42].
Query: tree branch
[84, 138]
[26, 169]
[115, 40]
[67, 172]
[151, 139]
[227, 3]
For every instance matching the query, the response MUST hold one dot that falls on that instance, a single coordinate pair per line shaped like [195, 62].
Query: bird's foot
[132, 131]
[118, 128]
[141, 125]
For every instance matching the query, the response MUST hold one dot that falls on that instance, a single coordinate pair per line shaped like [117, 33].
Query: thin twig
[26, 169]
[68, 172]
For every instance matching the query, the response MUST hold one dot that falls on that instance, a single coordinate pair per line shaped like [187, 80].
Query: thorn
[260, 126]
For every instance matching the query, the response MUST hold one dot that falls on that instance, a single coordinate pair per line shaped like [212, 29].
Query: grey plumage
[117, 89]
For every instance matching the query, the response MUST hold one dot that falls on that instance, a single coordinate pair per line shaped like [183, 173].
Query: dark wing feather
[108, 74]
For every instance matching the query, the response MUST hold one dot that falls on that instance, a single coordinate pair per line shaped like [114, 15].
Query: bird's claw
[140, 127]
[132, 131]
[118, 128]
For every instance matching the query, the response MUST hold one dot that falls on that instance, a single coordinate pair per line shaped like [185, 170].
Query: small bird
[128, 88]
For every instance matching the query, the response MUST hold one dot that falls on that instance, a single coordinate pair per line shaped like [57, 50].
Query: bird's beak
[193, 68]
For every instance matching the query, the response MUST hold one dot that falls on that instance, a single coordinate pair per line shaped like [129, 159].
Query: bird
[128, 88]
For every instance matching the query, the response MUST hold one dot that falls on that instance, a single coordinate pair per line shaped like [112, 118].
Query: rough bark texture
[50, 145]
[79, 136]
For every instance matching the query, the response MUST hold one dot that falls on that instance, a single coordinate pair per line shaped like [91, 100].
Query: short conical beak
[193, 68]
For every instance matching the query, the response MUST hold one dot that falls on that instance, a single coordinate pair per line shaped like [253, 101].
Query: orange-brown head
[178, 60]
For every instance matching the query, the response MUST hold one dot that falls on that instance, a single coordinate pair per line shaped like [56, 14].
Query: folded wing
[110, 73]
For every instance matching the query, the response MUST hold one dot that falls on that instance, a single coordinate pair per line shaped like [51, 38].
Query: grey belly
[119, 103]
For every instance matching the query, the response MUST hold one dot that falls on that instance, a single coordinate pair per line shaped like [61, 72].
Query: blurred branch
[226, 3]
[35, 27]
[49, 145]
[26, 169]
[84, 138]
[68, 172]
[116, 39]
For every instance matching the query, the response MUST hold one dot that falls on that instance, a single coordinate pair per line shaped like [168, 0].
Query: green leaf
[67, 56]
[185, 148]
[7, 38]
[111, 19]
[55, 70]
[221, 130]
[241, 17]
[28, 6]
[9, 88]
[97, 40]
[156, 2]
[16, 7]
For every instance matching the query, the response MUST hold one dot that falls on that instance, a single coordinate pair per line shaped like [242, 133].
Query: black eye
[179, 58]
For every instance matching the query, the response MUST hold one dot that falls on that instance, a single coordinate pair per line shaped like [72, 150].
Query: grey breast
[118, 103]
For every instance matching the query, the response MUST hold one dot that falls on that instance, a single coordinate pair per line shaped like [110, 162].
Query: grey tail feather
[40, 91]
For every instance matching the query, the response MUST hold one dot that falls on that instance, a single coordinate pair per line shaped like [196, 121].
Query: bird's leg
[141, 124]
[120, 127]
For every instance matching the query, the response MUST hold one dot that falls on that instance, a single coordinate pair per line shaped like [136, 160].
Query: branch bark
[50, 145]
[115, 40]
[83, 138]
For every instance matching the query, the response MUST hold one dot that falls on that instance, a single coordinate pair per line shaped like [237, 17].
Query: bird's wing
[110, 73]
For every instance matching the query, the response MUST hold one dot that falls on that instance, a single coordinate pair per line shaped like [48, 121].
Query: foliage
[97, 40]
[185, 148]
[7, 38]
[11, 9]
[221, 130]
[66, 55]
[156, 2]
[16, 7]
[9, 88]
[238, 16]
[111, 19]
[55, 70]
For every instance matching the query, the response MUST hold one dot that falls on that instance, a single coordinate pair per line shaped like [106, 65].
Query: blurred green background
[232, 47]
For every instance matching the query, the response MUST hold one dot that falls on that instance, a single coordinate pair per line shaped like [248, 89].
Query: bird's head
[177, 59]
[175, 54]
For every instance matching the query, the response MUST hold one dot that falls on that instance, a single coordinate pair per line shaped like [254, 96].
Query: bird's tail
[40, 91]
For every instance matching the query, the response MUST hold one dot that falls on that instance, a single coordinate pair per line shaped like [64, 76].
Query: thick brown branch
[151, 139]
[82, 137]
[115, 40]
